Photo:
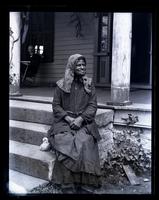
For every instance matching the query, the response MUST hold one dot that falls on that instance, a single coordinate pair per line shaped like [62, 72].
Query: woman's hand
[69, 119]
[76, 123]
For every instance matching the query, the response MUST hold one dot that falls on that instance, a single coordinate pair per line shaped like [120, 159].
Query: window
[40, 35]
[103, 48]
[39, 49]
[103, 38]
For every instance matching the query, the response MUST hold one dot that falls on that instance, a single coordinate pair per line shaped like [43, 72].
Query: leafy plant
[130, 119]
[13, 78]
[127, 151]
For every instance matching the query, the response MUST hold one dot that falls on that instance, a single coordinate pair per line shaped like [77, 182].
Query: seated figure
[32, 64]
[74, 134]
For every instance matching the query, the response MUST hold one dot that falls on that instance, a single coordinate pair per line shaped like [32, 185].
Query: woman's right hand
[69, 119]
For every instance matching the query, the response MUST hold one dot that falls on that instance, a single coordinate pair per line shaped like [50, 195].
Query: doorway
[141, 49]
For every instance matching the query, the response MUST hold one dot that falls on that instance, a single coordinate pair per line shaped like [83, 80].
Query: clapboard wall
[66, 43]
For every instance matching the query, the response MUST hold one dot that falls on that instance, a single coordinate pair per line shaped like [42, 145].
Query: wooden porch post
[14, 53]
[121, 59]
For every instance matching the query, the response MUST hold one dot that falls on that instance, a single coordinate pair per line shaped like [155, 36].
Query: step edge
[44, 158]
[26, 176]
[133, 125]
[100, 105]
[34, 124]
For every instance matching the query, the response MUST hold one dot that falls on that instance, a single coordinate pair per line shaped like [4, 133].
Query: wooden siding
[66, 44]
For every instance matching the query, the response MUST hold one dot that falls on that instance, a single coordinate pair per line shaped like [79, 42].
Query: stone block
[27, 132]
[28, 182]
[104, 117]
[105, 144]
[42, 113]
[31, 115]
[144, 117]
[28, 159]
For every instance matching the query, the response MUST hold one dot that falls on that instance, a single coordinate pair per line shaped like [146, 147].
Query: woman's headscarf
[65, 83]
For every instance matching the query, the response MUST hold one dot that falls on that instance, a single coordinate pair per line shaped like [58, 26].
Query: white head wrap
[65, 83]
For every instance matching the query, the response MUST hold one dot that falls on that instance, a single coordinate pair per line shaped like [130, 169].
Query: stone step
[31, 112]
[17, 179]
[144, 118]
[27, 132]
[37, 99]
[28, 159]
[143, 111]
[42, 113]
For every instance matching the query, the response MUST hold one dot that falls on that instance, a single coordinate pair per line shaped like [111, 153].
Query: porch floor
[137, 96]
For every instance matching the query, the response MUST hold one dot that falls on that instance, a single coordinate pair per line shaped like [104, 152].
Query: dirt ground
[122, 187]
[144, 187]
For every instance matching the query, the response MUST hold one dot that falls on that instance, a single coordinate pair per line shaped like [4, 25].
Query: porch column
[121, 59]
[14, 53]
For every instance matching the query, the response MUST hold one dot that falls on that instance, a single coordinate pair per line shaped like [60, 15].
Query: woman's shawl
[65, 83]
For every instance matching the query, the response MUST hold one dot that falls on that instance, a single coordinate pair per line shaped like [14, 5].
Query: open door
[141, 50]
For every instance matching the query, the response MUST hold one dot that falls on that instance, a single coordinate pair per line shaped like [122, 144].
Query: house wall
[66, 43]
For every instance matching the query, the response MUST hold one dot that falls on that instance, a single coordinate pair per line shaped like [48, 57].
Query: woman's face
[80, 68]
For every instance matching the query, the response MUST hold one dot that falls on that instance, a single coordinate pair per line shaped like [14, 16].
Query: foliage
[13, 78]
[127, 150]
[130, 119]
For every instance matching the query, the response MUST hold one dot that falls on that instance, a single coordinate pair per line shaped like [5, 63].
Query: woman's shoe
[45, 146]
[68, 189]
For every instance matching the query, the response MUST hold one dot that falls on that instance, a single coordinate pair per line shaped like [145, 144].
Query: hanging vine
[12, 76]
[75, 19]
[24, 22]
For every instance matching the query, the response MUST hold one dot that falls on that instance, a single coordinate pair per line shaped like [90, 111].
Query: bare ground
[122, 187]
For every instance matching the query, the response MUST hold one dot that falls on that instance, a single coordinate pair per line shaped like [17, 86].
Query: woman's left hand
[76, 124]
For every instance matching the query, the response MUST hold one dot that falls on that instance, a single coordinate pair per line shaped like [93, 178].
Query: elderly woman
[74, 134]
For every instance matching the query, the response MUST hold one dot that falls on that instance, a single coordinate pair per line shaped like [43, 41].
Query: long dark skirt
[62, 175]
[77, 156]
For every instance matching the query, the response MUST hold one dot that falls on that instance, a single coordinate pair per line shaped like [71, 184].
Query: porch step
[27, 182]
[143, 111]
[28, 159]
[29, 123]
[27, 132]
[144, 117]
[42, 113]
[31, 112]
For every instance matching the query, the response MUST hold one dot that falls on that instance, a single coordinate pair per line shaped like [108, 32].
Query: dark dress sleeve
[58, 111]
[89, 113]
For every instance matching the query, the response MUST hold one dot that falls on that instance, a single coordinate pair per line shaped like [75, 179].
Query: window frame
[43, 37]
[97, 52]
